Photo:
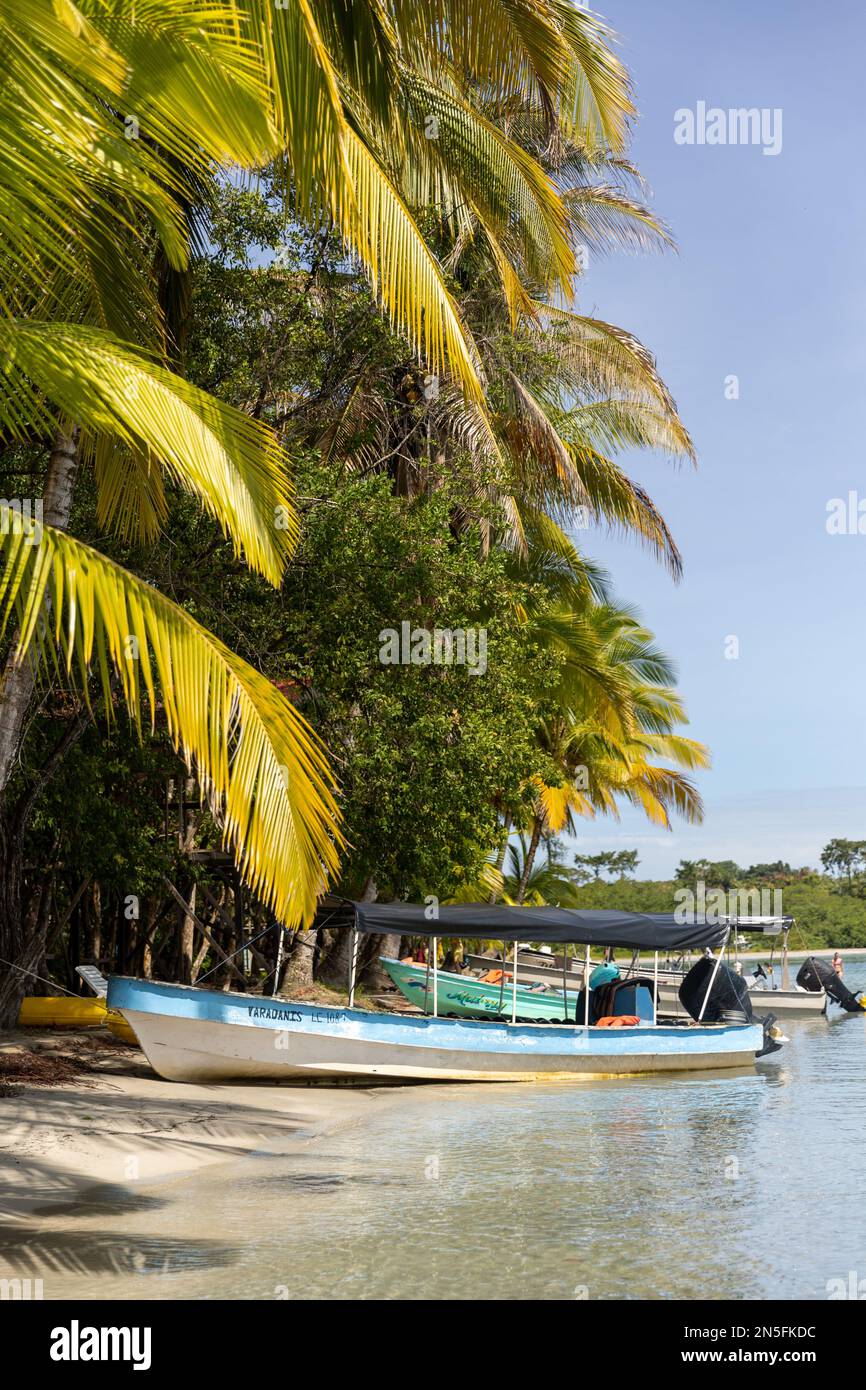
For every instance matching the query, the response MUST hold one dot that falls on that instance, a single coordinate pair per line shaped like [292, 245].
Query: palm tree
[117, 121]
[603, 754]
[545, 882]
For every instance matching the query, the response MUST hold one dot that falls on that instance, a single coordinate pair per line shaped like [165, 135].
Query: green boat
[464, 996]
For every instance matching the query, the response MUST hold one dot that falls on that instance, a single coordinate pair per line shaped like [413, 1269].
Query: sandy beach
[113, 1121]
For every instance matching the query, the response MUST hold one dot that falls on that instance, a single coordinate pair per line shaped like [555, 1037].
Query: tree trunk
[187, 939]
[17, 947]
[23, 933]
[371, 973]
[334, 969]
[297, 972]
[93, 934]
[20, 947]
[18, 680]
[500, 862]
[530, 859]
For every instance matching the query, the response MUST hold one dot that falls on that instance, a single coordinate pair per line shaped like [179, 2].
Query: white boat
[768, 995]
[193, 1034]
[784, 1003]
[537, 968]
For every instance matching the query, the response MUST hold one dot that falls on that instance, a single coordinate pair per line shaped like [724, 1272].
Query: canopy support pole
[713, 976]
[655, 988]
[435, 977]
[786, 978]
[279, 965]
[353, 966]
[586, 990]
[427, 981]
[514, 988]
[502, 980]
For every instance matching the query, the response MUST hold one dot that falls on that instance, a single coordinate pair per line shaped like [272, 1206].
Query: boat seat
[634, 997]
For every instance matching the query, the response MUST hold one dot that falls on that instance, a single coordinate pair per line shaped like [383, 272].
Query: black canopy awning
[656, 931]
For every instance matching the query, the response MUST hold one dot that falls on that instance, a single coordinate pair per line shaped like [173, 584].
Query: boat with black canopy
[194, 1034]
[768, 977]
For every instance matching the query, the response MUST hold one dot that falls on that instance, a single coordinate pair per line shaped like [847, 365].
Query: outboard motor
[771, 1034]
[729, 1000]
[815, 974]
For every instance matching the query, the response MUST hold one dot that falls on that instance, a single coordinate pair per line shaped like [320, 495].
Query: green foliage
[846, 860]
[103, 813]
[424, 753]
[824, 918]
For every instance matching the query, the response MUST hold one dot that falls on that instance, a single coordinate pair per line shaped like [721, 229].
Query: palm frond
[602, 218]
[510, 189]
[403, 271]
[605, 361]
[610, 495]
[262, 766]
[614, 425]
[232, 464]
[595, 102]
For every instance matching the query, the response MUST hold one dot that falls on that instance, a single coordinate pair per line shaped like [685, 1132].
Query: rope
[245, 947]
[40, 978]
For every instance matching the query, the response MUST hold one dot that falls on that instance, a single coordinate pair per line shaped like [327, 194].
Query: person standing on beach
[837, 965]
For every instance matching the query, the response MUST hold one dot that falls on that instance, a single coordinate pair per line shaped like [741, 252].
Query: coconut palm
[117, 121]
[566, 394]
[547, 881]
[604, 753]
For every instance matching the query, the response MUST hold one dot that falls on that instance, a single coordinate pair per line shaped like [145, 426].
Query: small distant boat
[816, 986]
[194, 1034]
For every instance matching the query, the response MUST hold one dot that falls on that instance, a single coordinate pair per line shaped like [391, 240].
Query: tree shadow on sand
[103, 1252]
[206, 1129]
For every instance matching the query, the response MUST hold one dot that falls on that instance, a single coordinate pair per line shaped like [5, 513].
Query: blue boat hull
[191, 1034]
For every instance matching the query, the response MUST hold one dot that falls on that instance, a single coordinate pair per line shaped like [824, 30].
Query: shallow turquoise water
[745, 1186]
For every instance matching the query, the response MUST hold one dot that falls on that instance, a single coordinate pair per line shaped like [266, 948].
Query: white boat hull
[784, 1003]
[201, 1035]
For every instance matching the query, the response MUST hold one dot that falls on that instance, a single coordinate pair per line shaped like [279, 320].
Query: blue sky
[768, 285]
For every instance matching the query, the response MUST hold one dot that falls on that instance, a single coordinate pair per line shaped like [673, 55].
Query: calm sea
[745, 1186]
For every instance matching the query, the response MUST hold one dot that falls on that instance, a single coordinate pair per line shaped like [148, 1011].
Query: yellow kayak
[62, 1011]
[68, 1011]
